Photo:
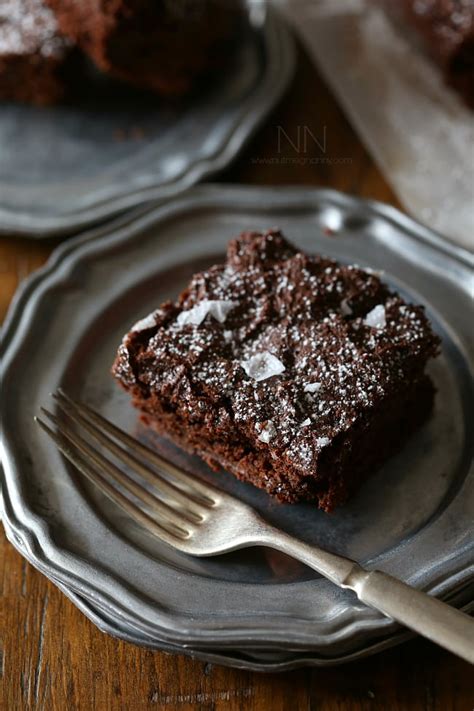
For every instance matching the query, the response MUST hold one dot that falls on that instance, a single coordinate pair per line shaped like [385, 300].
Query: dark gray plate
[253, 659]
[413, 519]
[66, 167]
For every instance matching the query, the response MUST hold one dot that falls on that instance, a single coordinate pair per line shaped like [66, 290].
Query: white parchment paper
[416, 128]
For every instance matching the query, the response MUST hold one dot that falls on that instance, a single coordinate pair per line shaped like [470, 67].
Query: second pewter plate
[66, 167]
[413, 519]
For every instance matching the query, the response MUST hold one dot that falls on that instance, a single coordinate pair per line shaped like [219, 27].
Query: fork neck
[340, 570]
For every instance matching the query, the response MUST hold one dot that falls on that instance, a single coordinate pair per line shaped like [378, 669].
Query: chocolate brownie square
[164, 45]
[293, 372]
[33, 55]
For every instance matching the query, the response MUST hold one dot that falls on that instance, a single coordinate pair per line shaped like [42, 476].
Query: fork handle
[436, 620]
[439, 622]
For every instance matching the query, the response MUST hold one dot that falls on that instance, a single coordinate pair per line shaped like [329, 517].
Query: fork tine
[189, 504]
[172, 515]
[160, 529]
[177, 476]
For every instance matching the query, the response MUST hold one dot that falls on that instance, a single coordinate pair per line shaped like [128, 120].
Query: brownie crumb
[164, 46]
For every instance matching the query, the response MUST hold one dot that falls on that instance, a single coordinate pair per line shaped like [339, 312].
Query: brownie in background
[34, 57]
[445, 31]
[161, 45]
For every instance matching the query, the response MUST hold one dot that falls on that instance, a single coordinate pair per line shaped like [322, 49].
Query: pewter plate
[63, 168]
[413, 519]
[242, 658]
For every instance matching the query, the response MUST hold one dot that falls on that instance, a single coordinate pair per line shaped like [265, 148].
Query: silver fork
[201, 520]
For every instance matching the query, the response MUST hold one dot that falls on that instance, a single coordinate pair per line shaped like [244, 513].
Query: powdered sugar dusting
[322, 442]
[29, 27]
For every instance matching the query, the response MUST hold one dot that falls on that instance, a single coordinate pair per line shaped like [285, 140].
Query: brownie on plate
[33, 55]
[162, 45]
[293, 372]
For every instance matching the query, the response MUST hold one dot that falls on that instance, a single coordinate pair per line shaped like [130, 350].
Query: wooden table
[54, 658]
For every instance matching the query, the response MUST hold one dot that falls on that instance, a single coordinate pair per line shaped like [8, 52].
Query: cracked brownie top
[290, 346]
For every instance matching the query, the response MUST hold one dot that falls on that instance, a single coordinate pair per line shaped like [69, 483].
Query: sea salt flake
[144, 323]
[312, 387]
[374, 272]
[345, 308]
[227, 336]
[306, 422]
[216, 308]
[322, 442]
[262, 366]
[268, 431]
[376, 317]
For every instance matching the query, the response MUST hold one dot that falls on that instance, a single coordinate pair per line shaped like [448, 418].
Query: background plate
[66, 167]
[413, 519]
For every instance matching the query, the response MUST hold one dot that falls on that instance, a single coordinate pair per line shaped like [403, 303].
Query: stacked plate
[253, 608]
[66, 167]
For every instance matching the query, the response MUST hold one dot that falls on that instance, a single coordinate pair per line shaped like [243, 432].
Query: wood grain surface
[55, 659]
